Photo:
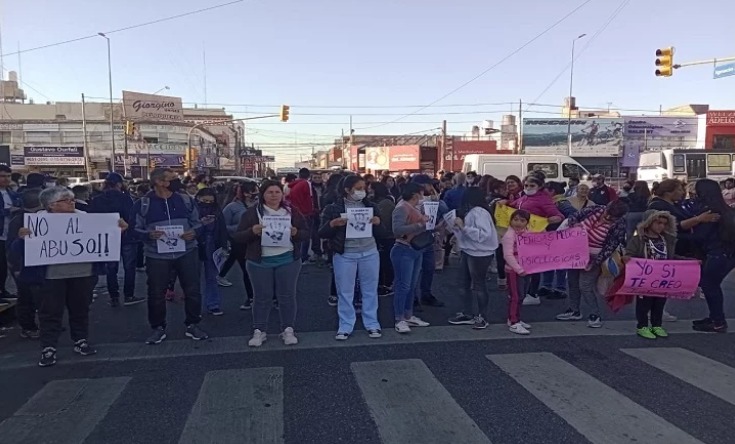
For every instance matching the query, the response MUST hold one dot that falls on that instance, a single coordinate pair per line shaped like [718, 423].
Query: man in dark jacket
[11, 204]
[600, 193]
[114, 199]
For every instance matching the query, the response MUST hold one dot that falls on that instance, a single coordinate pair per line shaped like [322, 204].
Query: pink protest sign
[553, 250]
[666, 279]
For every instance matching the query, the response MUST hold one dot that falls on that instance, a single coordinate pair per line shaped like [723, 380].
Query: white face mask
[359, 195]
[531, 191]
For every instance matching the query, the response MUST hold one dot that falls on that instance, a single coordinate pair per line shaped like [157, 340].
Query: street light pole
[164, 88]
[569, 105]
[112, 110]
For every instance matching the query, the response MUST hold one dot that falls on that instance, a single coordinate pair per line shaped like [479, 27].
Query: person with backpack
[159, 212]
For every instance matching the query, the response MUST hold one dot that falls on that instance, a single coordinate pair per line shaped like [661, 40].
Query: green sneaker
[660, 332]
[646, 332]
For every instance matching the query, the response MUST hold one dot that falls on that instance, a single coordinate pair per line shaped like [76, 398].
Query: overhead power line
[127, 28]
[498, 63]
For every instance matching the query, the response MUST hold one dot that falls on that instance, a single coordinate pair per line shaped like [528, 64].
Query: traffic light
[284, 112]
[129, 128]
[665, 62]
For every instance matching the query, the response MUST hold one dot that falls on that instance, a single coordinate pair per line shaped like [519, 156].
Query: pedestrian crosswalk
[406, 401]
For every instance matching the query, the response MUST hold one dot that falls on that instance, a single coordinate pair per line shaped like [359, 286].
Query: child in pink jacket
[518, 281]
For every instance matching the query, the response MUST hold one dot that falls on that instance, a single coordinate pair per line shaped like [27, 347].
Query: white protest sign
[276, 231]
[358, 223]
[171, 241]
[449, 218]
[219, 257]
[431, 209]
[70, 238]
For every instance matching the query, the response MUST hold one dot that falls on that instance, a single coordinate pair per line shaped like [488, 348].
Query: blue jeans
[212, 297]
[427, 272]
[407, 269]
[547, 280]
[366, 267]
[129, 258]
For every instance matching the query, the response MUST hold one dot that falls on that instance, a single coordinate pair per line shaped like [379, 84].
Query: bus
[686, 165]
[556, 168]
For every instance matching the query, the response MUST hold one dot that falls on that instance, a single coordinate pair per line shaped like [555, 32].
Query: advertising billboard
[141, 106]
[591, 137]
[654, 133]
[377, 158]
[53, 155]
[404, 157]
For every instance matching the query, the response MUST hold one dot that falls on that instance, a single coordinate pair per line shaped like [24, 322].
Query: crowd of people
[382, 236]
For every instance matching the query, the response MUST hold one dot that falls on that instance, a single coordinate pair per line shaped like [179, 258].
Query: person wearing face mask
[472, 180]
[428, 264]
[210, 236]
[245, 196]
[353, 258]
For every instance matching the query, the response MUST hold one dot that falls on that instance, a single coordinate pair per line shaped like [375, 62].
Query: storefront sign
[461, 148]
[53, 155]
[140, 106]
[11, 126]
[71, 238]
[721, 118]
[657, 133]
[553, 250]
[155, 160]
[42, 127]
[377, 158]
[404, 157]
[666, 279]
[591, 137]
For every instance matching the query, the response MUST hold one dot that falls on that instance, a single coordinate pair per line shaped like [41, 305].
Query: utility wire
[127, 28]
[498, 63]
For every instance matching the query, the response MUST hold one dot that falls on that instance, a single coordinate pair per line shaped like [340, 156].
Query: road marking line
[63, 412]
[325, 339]
[408, 404]
[237, 406]
[599, 413]
[704, 373]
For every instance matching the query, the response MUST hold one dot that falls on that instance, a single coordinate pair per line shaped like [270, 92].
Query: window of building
[73, 137]
[724, 142]
[5, 137]
[38, 137]
[551, 170]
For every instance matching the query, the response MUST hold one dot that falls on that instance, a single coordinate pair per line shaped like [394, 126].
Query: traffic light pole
[199, 125]
[704, 62]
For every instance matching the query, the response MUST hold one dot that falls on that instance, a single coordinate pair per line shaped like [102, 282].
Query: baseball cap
[421, 179]
[114, 178]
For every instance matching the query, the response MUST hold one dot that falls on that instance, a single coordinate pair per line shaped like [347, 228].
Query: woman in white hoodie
[477, 240]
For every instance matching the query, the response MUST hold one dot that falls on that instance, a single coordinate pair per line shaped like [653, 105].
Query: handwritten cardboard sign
[553, 250]
[503, 213]
[69, 238]
[666, 279]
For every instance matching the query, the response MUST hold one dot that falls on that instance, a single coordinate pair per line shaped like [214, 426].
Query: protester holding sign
[655, 239]
[167, 221]
[212, 235]
[272, 233]
[477, 241]
[605, 227]
[344, 223]
[68, 284]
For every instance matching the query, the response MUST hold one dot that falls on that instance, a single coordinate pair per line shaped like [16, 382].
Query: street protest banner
[503, 213]
[358, 223]
[662, 278]
[431, 209]
[68, 238]
[553, 250]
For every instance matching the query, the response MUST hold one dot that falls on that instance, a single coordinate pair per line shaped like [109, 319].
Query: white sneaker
[402, 327]
[531, 300]
[519, 329]
[288, 336]
[258, 338]
[222, 282]
[413, 321]
[526, 326]
[668, 317]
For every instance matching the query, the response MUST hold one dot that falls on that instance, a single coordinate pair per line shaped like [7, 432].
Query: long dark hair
[473, 197]
[709, 197]
[380, 191]
[640, 188]
[349, 183]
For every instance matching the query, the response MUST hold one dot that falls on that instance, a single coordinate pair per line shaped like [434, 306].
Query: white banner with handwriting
[68, 238]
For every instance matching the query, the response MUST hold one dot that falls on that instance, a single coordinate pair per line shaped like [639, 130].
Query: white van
[556, 168]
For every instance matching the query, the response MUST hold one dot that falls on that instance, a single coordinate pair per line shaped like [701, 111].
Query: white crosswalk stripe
[596, 411]
[238, 406]
[409, 404]
[704, 373]
[63, 412]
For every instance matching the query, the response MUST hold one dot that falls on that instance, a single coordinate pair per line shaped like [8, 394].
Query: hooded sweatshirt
[478, 237]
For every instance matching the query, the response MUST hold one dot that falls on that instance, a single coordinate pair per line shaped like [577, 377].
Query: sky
[379, 61]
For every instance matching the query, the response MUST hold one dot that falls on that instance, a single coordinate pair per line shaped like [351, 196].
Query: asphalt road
[565, 383]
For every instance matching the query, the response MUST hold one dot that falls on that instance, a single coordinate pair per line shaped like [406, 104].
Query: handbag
[423, 240]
